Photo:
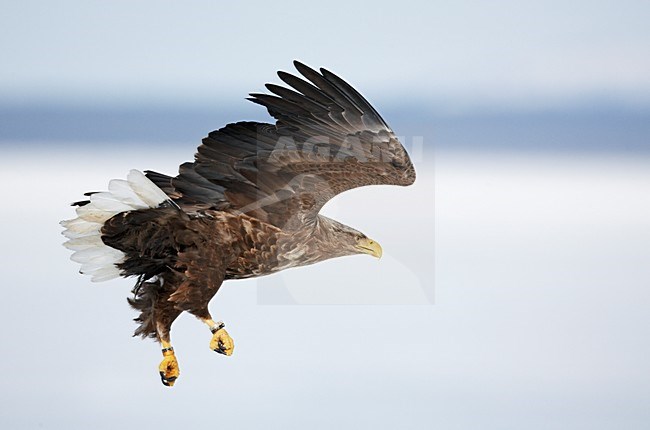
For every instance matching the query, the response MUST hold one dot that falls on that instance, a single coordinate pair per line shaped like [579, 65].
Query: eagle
[247, 206]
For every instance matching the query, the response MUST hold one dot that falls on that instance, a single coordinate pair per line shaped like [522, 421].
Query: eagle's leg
[221, 341]
[168, 367]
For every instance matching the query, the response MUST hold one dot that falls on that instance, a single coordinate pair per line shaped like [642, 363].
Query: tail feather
[97, 259]
[122, 190]
[148, 192]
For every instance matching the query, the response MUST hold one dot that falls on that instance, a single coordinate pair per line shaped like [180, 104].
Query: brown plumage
[247, 206]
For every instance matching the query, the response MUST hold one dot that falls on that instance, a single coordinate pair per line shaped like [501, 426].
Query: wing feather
[327, 139]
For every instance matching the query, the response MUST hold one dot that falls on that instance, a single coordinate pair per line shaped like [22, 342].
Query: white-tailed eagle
[248, 205]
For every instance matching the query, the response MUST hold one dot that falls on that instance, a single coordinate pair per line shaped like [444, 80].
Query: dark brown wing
[327, 139]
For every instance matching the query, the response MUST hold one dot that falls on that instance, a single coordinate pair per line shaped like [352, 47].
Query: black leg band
[218, 326]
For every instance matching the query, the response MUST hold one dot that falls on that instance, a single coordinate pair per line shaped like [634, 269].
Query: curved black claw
[220, 349]
[167, 382]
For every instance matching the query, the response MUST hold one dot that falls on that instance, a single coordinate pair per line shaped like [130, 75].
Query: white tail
[84, 232]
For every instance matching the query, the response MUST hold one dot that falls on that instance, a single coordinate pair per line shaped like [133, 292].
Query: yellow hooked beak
[369, 246]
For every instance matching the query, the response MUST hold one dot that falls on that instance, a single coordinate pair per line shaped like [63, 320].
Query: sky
[461, 54]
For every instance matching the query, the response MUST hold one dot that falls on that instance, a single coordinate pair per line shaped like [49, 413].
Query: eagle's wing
[327, 139]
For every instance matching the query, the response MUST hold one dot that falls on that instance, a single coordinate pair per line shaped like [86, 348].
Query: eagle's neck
[333, 238]
[322, 240]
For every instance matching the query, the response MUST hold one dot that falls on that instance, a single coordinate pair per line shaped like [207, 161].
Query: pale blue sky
[453, 53]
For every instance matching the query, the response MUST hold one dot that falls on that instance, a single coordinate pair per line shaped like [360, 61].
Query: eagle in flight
[248, 205]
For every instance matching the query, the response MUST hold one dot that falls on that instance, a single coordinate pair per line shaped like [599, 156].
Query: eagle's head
[365, 245]
[344, 240]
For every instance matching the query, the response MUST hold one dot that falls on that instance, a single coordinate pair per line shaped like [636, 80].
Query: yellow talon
[168, 368]
[222, 342]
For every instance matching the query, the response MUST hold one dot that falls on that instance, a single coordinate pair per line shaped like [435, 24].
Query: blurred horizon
[595, 128]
